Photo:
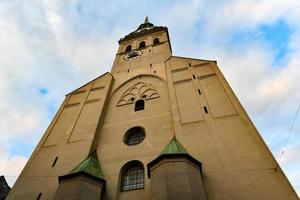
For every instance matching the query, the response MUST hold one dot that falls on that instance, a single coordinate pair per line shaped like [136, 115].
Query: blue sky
[49, 48]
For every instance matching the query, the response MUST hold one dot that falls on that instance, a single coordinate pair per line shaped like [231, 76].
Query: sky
[49, 48]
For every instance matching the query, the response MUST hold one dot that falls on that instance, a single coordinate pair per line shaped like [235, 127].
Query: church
[157, 127]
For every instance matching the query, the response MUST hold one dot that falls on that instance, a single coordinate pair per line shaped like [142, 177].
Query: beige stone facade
[183, 97]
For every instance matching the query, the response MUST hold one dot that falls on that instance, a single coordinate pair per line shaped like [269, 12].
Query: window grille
[133, 177]
[134, 136]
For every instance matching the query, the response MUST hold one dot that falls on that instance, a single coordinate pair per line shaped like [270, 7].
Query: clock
[132, 55]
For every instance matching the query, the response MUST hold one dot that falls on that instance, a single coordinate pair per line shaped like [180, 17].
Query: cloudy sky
[48, 48]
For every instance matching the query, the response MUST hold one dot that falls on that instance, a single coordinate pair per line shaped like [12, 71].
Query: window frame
[132, 176]
[136, 139]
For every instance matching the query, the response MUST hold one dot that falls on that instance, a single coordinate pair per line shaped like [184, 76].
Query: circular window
[134, 136]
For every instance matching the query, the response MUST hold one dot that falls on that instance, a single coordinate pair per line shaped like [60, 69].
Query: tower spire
[146, 20]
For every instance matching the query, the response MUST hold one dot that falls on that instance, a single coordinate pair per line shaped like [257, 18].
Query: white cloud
[3, 153]
[291, 156]
[11, 168]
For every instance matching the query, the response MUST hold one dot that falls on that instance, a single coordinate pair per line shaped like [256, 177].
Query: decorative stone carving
[182, 81]
[78, 92]
[201, 64]
[138, 91]
[179, 70]
[206, 76]
[71, 105]
[92, 101]
[98, 88]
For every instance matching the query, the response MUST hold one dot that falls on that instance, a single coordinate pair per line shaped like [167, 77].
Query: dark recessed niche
[139, 105]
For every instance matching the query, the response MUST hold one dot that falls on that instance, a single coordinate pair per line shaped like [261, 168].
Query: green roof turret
[90, 166]
[173, 150]
[174, 147]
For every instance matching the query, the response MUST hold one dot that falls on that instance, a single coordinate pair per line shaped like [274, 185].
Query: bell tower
[157, 127]
[145, 46]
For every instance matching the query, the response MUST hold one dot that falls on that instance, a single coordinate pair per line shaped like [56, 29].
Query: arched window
[132, 176]
[139, 105]
[142, 44]
[128, 48]
[156, 41]
[134, 136]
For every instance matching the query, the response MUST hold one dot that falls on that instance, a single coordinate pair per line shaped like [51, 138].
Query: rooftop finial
[146, 20]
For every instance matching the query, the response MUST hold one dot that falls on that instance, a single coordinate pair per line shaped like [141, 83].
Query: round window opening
[134, 136]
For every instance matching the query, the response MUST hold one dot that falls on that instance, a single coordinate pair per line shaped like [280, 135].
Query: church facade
[156, 127]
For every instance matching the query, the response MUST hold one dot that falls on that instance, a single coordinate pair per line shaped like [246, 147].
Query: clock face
[132, 55]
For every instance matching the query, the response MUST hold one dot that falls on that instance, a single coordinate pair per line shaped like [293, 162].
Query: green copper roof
[90, 166]
[174, 147]
[143, 29]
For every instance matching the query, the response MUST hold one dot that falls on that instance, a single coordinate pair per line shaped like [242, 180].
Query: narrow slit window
[194, 76]
[190, 65]
[55, 161]
[205, 109]
[39, 196]
[139, 105]
[199, 91]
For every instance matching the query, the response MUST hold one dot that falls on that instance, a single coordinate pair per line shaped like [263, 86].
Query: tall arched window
[142, 44]
[139, 105]
[156, 41]
[128, 48]
[132, 176]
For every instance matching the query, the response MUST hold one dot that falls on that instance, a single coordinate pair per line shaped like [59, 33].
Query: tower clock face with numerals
[132, 55]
